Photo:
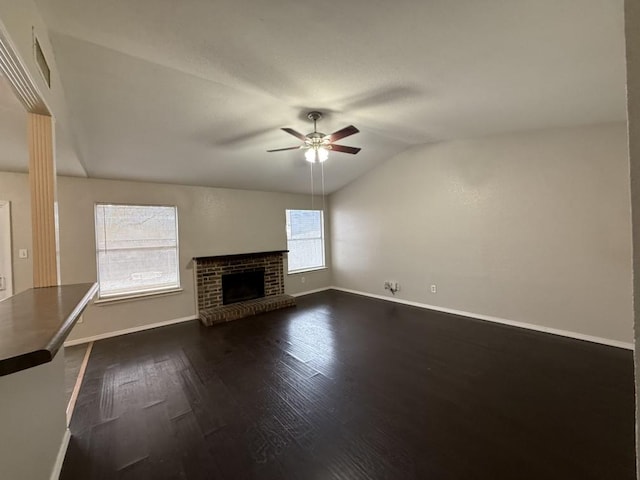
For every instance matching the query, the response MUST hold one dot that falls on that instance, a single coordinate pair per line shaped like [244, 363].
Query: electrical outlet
[434, 289]
[393, 287]
[302, 279]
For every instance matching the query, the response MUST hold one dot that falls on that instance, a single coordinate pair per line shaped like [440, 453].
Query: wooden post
[44, 218]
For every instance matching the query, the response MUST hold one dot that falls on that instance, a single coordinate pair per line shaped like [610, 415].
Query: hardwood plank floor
[348, 387]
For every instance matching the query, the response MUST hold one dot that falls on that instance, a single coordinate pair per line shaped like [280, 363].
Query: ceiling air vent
[42, 63]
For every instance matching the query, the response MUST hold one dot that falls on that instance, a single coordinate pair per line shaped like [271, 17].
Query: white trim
[22, 84]
[140, 295]
[133, 294]
[7, 253]
[322, 238]
[76, 388]
[57, 467]
[195, 290]
[489, 318]
[309, 292]
[305, 270]
[116, 333]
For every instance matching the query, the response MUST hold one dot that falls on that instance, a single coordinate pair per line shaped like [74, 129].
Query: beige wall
[33, 421]
[632, 20]
[15, 188]
[530, 227]
[32, 402]
[211, 222]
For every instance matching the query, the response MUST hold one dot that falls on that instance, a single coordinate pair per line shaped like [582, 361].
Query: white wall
[32, 402]
[531, 227]
[15, 188]
[212, 221]
[33, 421]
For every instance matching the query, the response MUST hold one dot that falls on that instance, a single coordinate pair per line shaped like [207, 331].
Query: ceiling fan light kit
[316, 155]
[317, 145]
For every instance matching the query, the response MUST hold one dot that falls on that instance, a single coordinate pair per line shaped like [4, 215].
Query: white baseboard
[489, 318]
[102, 336]
[309, 292]
[513, 323]
[76, 388]
[57, 467]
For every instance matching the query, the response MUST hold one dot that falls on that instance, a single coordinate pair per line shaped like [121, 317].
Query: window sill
[307, 270]
[136, 296]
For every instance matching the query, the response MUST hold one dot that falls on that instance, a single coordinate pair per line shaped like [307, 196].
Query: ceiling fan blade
[295, 134]
[345, 149]
[283, 149]
[345, 132]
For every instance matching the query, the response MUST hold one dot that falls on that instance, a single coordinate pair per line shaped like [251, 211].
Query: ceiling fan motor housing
[318, 140]
[314, 116]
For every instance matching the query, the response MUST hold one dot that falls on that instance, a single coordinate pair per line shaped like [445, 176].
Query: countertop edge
[46, 351]
[58, 339]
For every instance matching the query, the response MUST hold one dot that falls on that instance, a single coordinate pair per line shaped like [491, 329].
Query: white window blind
[137, 249]
[305, 240]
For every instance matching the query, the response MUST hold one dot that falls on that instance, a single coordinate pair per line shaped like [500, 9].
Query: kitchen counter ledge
[35, 323]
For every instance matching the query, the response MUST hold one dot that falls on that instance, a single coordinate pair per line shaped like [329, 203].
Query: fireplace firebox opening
[242, 286]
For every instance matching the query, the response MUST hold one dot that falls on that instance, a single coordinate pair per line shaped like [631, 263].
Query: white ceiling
[194, 92]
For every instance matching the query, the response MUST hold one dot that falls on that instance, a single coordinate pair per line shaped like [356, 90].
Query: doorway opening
[6, 270]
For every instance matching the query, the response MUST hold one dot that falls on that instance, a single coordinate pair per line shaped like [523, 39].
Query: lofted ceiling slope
[14, 155]
[194, 92]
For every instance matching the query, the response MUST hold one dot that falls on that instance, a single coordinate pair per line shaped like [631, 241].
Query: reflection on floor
[347, 387]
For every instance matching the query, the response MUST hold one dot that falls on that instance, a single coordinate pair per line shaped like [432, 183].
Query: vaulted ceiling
[195, 91]
[14, 155]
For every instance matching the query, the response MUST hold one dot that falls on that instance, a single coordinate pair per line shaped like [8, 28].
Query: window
[305, 240]
[137, 249]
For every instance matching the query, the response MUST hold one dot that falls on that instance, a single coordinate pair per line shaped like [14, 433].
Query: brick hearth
[209, 271]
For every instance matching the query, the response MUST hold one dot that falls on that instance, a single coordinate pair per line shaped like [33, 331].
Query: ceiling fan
[317, 144]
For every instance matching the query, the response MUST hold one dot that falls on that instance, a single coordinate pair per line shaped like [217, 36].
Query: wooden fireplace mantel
[240, 255]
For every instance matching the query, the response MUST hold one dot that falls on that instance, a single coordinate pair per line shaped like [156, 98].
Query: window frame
[322, 238]
[142, 292]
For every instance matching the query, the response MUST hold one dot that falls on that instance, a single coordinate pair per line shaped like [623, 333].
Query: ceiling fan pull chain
[322, 172]
[311, 170]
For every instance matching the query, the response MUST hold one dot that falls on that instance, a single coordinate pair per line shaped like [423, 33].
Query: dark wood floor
[347, 387]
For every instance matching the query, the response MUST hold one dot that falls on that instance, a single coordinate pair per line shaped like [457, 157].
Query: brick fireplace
[214, 273]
